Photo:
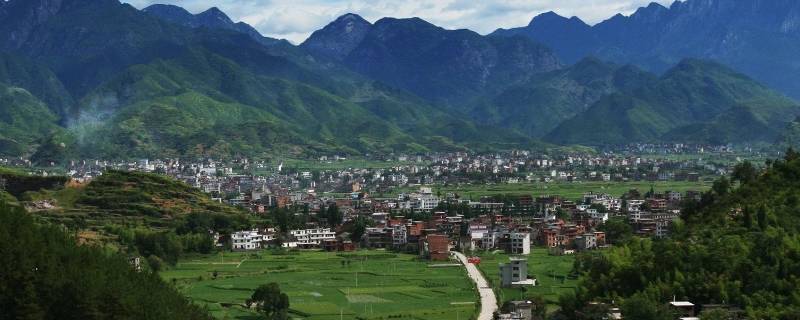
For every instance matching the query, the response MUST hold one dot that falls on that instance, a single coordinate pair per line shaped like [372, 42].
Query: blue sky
[295, 20]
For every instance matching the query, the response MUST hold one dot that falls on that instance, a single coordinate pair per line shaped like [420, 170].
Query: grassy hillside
[202, 103]
[538, 105]
[130, 193]
[158, 89]
[24, 120]
[696, 101]
[37, 79]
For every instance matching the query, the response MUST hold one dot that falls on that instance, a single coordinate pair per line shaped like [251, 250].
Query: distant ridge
[758, 37]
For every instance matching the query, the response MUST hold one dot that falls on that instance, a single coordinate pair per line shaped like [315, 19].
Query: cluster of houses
[257, 185]
[562, 226]
[258, 239]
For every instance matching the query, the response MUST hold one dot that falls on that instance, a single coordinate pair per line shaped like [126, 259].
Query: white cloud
[295, 20]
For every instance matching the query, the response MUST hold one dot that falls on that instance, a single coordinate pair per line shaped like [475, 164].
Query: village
[406, 206]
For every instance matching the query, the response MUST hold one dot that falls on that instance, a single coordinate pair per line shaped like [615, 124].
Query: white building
[312, 237]
[246, 240]
[519, 243]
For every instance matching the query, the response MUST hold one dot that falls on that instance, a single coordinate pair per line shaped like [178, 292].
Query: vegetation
[134, 193]
[46, 275]
[737, 246]
[168, 90]
[270, 301]
[537, 106]
[568, 190]
[18, 183]
[552, 273]
[696, 101]
[327, 286]
[147, 215]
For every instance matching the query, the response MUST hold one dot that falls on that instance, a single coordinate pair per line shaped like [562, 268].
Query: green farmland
[551, 273]
[324, 286]
[568, 190]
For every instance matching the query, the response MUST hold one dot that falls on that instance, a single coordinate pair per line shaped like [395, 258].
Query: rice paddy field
[551, 272]
[568, 190]
[328, 286]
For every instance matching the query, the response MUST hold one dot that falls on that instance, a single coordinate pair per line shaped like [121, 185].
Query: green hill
[538, 105]
[696, 101]
[24, 120]
[47, 275]
[738, 246]
[203, 101]
[130, 193]
[37, 79]
[165, 89]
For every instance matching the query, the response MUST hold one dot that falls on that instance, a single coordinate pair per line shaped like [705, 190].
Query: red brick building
[435, 247]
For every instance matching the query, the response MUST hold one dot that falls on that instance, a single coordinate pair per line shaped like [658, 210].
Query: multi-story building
[516, 243]
[312, 237]
[247, 240]
[515, 273]
[399, 235]
[435, 247]
[520, 243]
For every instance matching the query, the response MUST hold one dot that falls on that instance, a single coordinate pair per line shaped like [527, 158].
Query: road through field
[488, 299]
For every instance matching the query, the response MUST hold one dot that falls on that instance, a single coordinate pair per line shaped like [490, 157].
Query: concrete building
[399, 235]
[307, 238]
[586, 241]
[519, 243]
[515, 273]
[246, 240]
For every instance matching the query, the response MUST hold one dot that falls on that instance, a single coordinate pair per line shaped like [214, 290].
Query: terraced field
[327, 286]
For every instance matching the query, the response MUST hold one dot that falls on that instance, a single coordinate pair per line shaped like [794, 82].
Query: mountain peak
[350, 17]
[337, 39]
[217, 15]
[213, 18]
[547, 17]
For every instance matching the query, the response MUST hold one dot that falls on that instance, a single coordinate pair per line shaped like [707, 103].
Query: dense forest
[739, 246]
[46, 275]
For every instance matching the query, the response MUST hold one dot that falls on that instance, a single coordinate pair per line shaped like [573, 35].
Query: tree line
[47, 275]
[738, 247]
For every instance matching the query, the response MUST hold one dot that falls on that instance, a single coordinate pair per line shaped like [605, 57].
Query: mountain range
[98, 78]
[760, 38]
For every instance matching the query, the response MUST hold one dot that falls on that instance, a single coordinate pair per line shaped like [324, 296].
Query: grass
[374, 285]
[710, 157]
[568, 190]
[551, 273]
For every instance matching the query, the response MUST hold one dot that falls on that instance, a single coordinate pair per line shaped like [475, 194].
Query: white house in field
[247, 240]
[312, 237]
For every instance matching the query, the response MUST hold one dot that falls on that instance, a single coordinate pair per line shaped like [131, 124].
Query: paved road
[488, 299]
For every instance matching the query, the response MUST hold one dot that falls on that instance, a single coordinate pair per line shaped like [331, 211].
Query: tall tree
[271, 302]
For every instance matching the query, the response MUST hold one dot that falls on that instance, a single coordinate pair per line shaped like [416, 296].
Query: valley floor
[329, 286]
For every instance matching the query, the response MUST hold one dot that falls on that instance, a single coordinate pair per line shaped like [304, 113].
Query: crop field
[568, 190]
[322, 285]
[551, 272]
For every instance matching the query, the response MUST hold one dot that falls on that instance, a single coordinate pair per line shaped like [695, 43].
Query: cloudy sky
[295, 20]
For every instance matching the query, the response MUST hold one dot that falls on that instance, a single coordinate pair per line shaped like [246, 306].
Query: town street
[488, 299]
